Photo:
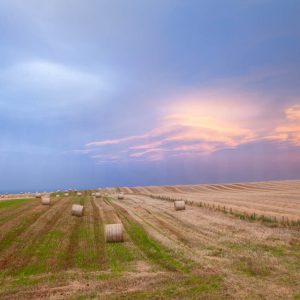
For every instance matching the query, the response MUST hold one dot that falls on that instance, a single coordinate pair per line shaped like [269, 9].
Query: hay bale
[98, 195]
[179, 205]
[46, 200]
[77, 210]
[120, 196]
[66, 194]
[38, 195]
[57, 196]
[114, 233]
[79, 194]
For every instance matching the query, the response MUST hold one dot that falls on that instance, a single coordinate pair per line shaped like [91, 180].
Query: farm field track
[197, 253]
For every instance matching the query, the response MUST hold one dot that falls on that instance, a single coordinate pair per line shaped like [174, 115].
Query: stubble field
[236, 241]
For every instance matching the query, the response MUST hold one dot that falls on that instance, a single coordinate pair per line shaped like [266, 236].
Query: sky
[128, 93]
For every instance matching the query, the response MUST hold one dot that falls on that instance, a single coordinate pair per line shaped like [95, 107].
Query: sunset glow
[202, 128]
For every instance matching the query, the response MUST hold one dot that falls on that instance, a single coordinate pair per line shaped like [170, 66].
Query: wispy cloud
[192, 126]
[115, 141]
[201, 124]
[49, 87]
[289, 129]
[293, 113]
[146, 146]
[47, 74]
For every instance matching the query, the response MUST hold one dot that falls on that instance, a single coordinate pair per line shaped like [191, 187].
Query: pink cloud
[293, 113]
[289, 129]
[143, 153]
[114, 142]
[146, 146]
[201, 125]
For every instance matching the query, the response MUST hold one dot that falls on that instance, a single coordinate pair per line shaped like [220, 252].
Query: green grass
[13, 203]
[50, 242]
[253, 266]
[277, 250]
[181, 286]
[296, 296]
[43, 252]
[186, 287]
[32, 269]
[86, 255]
[152, 249]
[13, 234]
[120, 257]
[78, 199]
[193, 287]
[87, 245]
[24, 281]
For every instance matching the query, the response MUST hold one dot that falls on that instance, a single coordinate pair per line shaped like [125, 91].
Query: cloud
[115, 141]
[289, 130]
[46, 72]
[200, 123]
[293, 113]
[43, 74]
[146, 146]
[193, 125]
[48, 87]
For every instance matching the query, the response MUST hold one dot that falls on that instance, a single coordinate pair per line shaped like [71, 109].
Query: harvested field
[274, 199]
[196, 253]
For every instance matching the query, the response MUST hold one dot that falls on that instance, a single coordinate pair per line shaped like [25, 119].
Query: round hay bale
[46, 200]
[79, 194]
[120, 196]
[114, 233]
[38, 195]
[98, 195]
[77, 210]
[57, 196]
[179, 205]
[66, 194]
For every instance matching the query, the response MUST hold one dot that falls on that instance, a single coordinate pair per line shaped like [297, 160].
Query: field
[235, 241]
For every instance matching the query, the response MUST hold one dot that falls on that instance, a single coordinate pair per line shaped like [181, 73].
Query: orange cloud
[114, 142]
[289, 130]
[293, 113]
[211, 122]
[146, 146]
[143, 153]
[201, 124]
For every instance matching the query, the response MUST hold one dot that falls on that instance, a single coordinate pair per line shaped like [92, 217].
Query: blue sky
[107, 93]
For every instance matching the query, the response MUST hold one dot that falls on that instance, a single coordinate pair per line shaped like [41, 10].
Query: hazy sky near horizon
[106, 93]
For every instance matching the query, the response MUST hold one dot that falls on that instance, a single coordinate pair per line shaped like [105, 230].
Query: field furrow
[201, 252]
[32, 239]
